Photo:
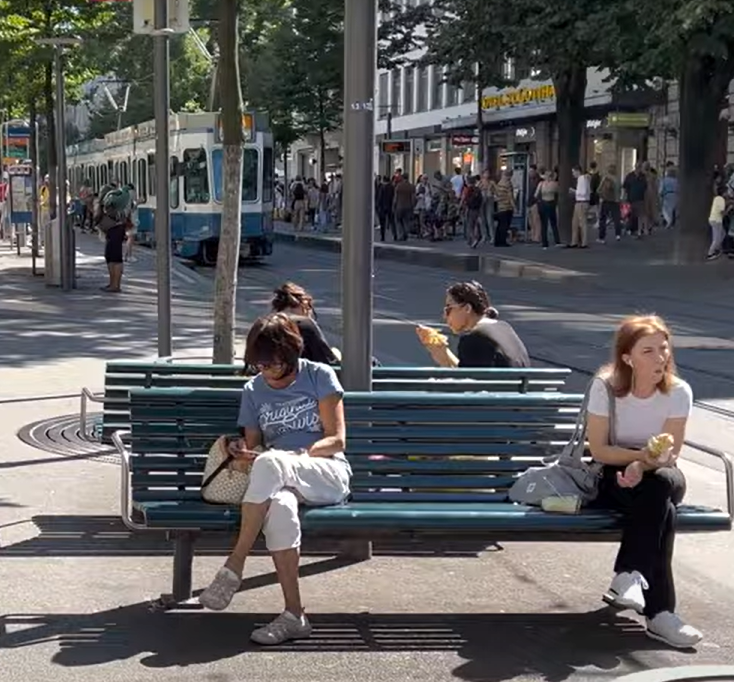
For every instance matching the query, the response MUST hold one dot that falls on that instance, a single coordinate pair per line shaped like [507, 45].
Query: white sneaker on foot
[284, 628]
[625, 592]
[223, 588]
[669, 628]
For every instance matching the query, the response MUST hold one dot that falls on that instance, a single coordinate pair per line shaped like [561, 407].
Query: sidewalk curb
[461, 262]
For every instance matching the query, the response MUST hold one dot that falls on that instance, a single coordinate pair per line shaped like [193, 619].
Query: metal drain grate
[60, 436]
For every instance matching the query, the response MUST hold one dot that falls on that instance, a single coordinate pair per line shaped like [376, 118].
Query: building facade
[432, 125]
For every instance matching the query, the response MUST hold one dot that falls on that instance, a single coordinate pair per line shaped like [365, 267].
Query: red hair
[629, 332]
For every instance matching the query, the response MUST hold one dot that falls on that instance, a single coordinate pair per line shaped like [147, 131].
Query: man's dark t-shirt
[315, 346]
[492, 344]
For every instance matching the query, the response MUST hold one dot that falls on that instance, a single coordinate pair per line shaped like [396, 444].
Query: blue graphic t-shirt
[289, 417]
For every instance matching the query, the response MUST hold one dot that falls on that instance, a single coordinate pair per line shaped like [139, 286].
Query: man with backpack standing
[115, 211]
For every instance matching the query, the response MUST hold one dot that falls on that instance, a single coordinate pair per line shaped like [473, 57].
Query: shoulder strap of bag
[225, 463]
[612, 413]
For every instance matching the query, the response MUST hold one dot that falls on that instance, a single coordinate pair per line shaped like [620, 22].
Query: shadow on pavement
[87, 536]
[38, 324]
[496, 647]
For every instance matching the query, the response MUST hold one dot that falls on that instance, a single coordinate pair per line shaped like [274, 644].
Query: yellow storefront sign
[519, 97]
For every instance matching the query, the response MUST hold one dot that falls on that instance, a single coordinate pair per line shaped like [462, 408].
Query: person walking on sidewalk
[489, 188]
[649, 400]
[716, 222]
[582, 193]
[404, 208]
[635, 190]
[547, 197]
[609, 194]
[505, 194]
[385, 200]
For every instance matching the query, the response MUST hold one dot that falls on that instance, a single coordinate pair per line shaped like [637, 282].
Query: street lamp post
[66, 237]
[161, 106]
[360, 33]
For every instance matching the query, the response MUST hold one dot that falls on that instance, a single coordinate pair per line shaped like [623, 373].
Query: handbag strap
[612, 413]
[217, 471]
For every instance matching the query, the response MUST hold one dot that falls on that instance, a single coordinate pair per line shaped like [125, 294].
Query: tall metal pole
[360, 32]
[161, 103]
[66, 244]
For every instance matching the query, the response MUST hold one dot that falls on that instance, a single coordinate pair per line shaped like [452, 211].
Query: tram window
[268, 169]
[142, 185]
[115, 173]
[124, 175]
[196, 177]
[102, 176]
[174, 186]
[250, 160]
[249, 174]
[151, 175]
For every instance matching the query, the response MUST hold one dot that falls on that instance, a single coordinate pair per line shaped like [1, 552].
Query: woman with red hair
[641, 481]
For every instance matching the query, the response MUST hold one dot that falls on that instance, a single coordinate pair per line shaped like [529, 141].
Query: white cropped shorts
[288, 479]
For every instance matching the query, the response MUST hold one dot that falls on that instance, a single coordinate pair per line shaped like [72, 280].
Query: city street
[76, 583]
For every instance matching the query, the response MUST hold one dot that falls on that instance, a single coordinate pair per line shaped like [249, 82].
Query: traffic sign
[144, 16]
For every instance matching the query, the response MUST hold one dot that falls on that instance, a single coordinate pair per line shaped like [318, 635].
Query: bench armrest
[87, 395]
[125, 492]
[126, 506]
[728, 471]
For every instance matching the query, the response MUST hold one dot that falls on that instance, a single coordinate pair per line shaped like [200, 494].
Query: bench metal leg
[355, 550]
[183, 561]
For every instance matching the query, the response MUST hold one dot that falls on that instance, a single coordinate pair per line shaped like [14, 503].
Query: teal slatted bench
[122, 376]
[435, 464]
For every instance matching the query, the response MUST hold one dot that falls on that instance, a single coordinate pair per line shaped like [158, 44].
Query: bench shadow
[93, 536]
[496, 647]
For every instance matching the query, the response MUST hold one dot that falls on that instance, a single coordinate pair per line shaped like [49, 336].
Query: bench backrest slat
[471, 449]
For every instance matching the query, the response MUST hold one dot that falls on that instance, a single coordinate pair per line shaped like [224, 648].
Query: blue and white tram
[196, 162]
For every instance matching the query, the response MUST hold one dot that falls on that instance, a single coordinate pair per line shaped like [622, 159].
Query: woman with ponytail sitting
[485, 340]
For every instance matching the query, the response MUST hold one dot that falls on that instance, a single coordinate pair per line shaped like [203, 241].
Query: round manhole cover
[61, 436]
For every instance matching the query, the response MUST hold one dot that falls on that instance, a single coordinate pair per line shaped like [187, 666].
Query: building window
[422, 103]
[452, 95]
[468, 91]
[382, 101]
[396, 91]
[437, 88]
[408, 91]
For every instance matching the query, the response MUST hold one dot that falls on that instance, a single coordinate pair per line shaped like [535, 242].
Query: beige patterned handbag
[221, 483]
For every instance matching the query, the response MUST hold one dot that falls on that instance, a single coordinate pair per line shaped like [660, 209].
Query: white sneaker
[625, 592]
[669, 628]
[223, 588]
[285, 627]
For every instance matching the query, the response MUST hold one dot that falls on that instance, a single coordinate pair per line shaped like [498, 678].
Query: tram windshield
[250, 165]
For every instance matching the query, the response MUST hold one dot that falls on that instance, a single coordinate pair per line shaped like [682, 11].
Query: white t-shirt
[718, 207]
[457, 182]
[637, 419]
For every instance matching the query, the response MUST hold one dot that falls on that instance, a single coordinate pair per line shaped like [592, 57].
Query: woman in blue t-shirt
[294, 410]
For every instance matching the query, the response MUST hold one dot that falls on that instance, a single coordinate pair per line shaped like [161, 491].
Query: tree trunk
[230, 95]
[48, 101]
[481, 151]
[701, 96]
[570, 88]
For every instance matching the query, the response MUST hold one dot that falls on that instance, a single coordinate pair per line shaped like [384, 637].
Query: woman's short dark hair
[474, 295]
[274, 338]
[289, 295]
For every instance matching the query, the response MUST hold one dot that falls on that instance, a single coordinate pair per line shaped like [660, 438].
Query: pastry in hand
[658, 445]
[433, 337]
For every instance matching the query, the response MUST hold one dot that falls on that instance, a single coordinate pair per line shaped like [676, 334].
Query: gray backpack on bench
[567, 473]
